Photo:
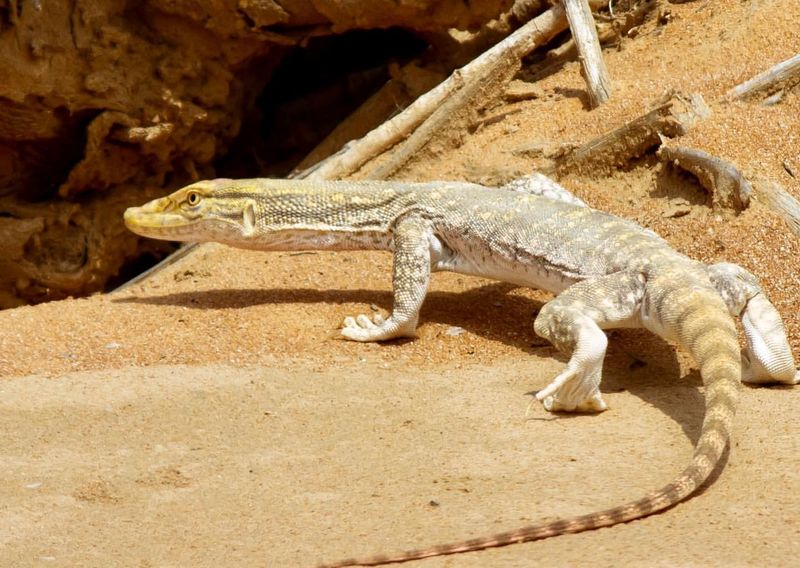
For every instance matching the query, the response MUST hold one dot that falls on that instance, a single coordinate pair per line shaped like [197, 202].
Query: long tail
[705, 329]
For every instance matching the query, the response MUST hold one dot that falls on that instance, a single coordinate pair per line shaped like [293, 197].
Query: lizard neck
[332, 216]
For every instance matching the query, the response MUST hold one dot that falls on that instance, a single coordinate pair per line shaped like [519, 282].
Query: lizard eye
[193, 198]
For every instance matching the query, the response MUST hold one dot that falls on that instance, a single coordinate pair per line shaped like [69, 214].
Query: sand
[211, 416]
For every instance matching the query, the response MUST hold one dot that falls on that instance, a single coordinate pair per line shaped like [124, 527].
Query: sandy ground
[210, 416]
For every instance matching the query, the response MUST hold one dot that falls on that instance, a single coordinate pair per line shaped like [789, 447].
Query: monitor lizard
[606, 272]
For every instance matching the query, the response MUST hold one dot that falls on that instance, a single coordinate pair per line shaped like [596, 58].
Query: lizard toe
[356, 334]
[576, 389]
[594, 403]
[358, 328]
[364, 322]
[364, 329]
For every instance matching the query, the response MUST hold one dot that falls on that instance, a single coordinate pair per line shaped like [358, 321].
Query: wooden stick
[608, 32]
[406, 85]
[503, 57]
[496, 66]
[780, 201]
[673, 116]
[726, 184]
[584, 32]
[783, 71]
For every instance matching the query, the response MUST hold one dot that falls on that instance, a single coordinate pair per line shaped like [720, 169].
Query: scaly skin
[607, 272]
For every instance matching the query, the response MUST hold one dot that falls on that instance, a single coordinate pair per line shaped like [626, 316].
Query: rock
[107, 104]
[677, 207]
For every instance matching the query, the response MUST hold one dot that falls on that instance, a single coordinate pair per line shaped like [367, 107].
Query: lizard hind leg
[574, 323]
[768, 356]
[577, 387]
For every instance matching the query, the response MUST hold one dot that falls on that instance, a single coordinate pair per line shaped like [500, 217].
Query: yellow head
[198, 212]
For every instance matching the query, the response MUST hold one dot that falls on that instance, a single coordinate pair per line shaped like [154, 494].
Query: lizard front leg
[574, 323]
[413, 239]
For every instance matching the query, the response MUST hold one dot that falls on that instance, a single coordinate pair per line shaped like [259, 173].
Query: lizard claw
[574, 390]
[594, 403]
[755, 372]
[362, 328]
[367, 323]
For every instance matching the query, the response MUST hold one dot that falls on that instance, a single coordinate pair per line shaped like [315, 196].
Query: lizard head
[198, 212]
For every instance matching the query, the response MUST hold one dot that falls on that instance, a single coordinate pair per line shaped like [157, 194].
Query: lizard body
[607, 273]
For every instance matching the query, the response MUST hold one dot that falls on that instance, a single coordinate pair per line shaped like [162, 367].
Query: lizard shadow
[637, 361]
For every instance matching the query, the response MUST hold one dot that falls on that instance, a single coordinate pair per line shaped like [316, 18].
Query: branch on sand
[427, 115]
[782, 73]
[584, 32]
[728, 187]
[407, 83]
[780, 201]
[673, 115]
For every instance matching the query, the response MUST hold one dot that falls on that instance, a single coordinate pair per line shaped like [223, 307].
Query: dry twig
[406, 84]
[726, 184]
[673, 116]
[584, 32]
[782, 72]
[443, 101]
[780, 201]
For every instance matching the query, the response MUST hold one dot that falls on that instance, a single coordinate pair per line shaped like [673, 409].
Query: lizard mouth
[155, 219]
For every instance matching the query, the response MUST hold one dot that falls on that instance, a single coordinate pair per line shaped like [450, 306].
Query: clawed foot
[364, 329]
[748, 376]
[595, 403]
[573, 391]
[754, 372]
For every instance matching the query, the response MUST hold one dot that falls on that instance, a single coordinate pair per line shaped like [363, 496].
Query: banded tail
[703, 327]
